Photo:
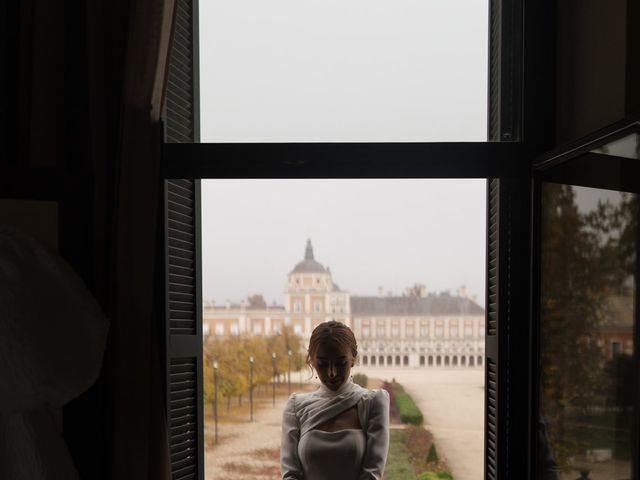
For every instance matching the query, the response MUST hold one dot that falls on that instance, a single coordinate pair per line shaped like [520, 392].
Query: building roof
[309, 264]
[235, 307]
[430, 305]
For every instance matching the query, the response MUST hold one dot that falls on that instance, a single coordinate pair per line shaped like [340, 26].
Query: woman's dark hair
[331, 332]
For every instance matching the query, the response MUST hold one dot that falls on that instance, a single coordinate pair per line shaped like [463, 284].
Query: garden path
[452, 402]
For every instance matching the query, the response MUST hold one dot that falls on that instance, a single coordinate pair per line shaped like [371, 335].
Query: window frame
[520, 128]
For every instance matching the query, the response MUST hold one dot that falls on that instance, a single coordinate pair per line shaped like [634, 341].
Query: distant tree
[571, 286]
[585, 258]
[256, 301]
[416, 290]
[232, 375]
[233, 353]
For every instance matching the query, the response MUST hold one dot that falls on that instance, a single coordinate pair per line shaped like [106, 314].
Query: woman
[340, 431]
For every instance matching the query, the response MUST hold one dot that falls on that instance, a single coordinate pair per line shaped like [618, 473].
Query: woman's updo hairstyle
[331, 332]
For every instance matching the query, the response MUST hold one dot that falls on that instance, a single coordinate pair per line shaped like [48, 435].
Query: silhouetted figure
[340, 431]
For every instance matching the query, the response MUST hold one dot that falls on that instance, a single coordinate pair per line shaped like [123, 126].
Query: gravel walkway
[452, 402]
[246, 451]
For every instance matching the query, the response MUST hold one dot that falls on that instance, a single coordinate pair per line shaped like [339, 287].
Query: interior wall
[591, 60]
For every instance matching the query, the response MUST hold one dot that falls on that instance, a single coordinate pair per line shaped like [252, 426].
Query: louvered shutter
[491, 342]
[183, 300]
[507, 328]
[184, 329]
[182, 102]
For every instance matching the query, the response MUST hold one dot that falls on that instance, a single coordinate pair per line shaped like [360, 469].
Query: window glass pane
[588, 285]
[343, 71]
[393, 254]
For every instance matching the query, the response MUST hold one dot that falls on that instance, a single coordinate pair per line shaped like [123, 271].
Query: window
[317, 307]
[584, 207]
[296, 307]
[456, 160]
[219, 329]
[297, 329]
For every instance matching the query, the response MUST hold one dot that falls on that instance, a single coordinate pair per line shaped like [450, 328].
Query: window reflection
[587, 383]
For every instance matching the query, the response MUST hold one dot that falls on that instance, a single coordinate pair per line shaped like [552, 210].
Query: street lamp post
[251, 387]
[215, 398]
[273, 381]
[289, 375]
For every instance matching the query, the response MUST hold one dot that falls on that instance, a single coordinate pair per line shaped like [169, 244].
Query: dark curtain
[82, 94]
[140, 447]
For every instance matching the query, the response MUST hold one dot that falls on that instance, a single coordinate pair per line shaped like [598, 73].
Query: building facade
[413, 330]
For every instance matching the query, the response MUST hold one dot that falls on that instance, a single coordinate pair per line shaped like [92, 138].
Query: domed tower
[310, 295]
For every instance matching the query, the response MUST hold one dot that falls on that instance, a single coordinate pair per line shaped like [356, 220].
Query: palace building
[414, 330]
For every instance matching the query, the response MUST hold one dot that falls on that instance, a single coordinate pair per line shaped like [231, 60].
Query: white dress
[350, 454]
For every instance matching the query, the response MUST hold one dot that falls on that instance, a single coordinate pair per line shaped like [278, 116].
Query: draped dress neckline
[325, 404]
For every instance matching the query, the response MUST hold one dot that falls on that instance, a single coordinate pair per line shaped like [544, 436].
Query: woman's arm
[377, 431]
[289, 463]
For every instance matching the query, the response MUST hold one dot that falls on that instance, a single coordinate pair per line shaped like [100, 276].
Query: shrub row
[408, 410]
[442, 475]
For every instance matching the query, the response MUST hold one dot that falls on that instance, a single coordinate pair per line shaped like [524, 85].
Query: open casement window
[504, 164]
[586, 309]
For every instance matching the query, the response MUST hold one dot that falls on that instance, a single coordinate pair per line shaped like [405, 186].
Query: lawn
[399, 465]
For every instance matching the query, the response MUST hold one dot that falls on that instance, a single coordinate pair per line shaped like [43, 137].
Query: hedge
[407, 409]
[443, 475]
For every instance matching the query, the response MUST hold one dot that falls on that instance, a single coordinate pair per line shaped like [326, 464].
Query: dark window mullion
[344, 160]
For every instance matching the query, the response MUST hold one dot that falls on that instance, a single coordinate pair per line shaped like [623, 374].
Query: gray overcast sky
[371, 233]
[343, 70]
